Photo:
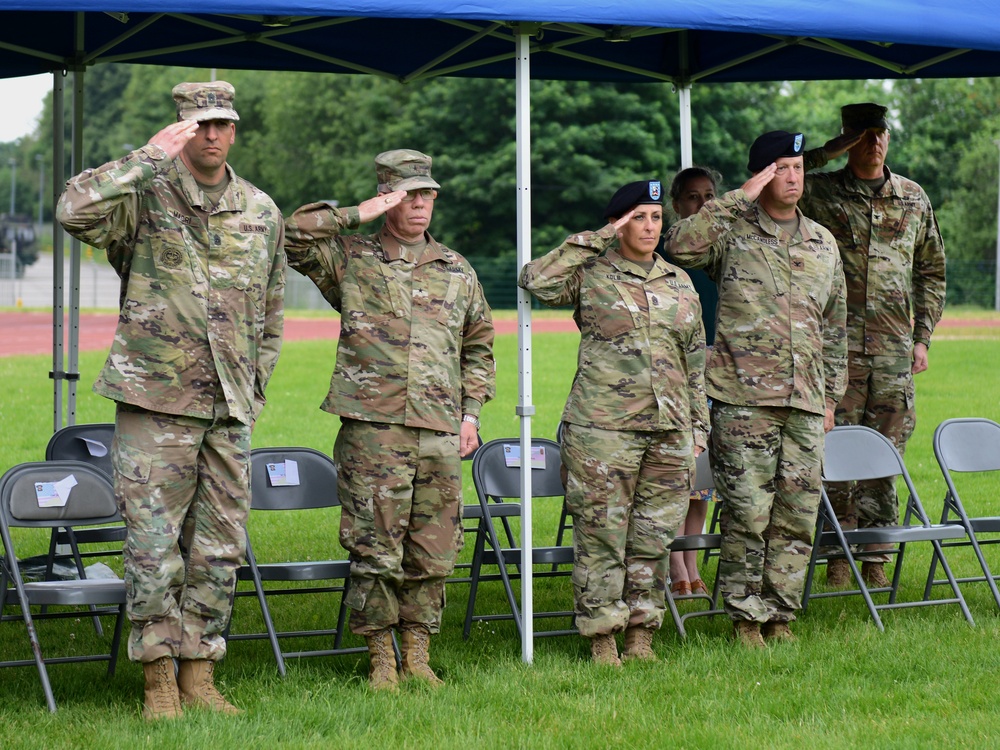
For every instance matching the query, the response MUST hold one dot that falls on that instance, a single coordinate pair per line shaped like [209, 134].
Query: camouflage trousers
[766, 462]
[401, 494]
[180, 477]
[628, 494]
[880, 395]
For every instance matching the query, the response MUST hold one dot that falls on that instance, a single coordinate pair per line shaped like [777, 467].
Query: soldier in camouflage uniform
[199, 253]
[775, 374]
[894, 264]
[414, 367]
[635, 418]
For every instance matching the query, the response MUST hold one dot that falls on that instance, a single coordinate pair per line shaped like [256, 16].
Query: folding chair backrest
[494, 477]
[317, 479]
[968, 444]
[50, 494]
[703, 479]
[856, 453]
[90, 443]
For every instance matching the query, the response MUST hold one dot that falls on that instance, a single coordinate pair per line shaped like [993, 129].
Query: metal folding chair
[964, 446]
[285, 480]
[856, 453]
[496, 479]
[48, 495]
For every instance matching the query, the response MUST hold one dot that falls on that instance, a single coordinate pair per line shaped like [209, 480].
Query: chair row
[42, 495]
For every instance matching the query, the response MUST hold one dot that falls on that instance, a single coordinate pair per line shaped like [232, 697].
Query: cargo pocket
[131, 463]
[357, 594]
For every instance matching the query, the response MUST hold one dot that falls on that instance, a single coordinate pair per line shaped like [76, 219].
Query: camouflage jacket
[202, 287]
[893, 256]
[780, 339]
[416, 338]
[641, 363]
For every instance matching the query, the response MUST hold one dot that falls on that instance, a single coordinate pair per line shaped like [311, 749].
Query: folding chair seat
[47, 495]
[708, 541]
[857, 453]
[496, 479]
[965, 446]
[285, 480]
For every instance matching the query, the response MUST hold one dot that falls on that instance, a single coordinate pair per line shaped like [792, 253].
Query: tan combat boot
[604, 650]
[414, 645]
[777, 631]
[747, 633]
[162, 700]
[382, 662]
[874, 575]
[639, 644]
[838, 574]
[197, 687]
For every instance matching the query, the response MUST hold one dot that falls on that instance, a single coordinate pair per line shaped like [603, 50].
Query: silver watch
[471, 419]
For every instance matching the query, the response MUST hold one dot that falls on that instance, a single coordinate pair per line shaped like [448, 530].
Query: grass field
[926, 682]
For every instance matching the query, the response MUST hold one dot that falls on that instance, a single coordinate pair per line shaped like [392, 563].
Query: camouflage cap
[864, 116]
[403, 169]
[205, 101]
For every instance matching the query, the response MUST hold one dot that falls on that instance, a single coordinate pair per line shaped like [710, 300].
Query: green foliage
[306, 137]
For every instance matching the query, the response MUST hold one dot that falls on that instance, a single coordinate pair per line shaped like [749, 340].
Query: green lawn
[927, 681]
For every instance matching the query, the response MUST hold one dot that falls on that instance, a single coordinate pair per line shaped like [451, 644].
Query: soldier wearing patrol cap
[775, 374]
[199, 252]
[414, 368]
[894, 264]
[635, 418]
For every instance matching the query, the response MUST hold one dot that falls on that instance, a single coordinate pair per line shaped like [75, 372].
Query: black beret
[864, 116]
[771, 146]
[644, 191]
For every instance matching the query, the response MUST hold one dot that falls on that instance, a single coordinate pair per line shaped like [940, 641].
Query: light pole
[13, 185]
[41, 190]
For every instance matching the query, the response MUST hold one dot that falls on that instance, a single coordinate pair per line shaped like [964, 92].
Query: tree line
[307, 136]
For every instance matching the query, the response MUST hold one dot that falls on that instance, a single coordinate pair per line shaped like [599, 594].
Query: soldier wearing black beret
[635, 418]
[775, 375]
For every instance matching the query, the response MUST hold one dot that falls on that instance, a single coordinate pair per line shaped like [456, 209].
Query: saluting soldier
[414, 368]
[199, 253]
[635, 418]
[775, 375]
[894, 265]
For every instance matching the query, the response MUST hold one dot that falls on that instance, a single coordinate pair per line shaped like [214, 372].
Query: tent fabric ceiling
[730, 40]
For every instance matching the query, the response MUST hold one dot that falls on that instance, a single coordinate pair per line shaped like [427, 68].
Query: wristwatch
[471, 419]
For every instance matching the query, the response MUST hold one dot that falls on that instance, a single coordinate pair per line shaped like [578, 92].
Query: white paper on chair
[54, 494]
[512, 455]
[285, 474]
[95, 448]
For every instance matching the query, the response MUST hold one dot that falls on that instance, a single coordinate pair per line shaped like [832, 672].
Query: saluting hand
[175, 136]
[375, 207]
[623, 221]
[755, 184]
[836, 146]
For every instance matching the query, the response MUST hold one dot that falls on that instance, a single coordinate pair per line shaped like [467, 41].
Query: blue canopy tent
[405, 40]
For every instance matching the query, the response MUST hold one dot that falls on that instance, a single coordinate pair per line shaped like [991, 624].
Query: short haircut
[682, 177]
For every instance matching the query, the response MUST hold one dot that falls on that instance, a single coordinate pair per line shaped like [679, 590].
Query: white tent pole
[684, 105]
[73, 359]
[525, 408]
[58, 154]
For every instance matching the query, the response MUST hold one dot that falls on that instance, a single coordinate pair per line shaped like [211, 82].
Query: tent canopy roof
[731, 40]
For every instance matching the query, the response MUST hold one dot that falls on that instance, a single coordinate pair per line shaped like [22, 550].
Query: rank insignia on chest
[797, 264]
[248, 228]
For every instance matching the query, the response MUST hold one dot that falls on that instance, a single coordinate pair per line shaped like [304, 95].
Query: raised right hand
[175, 136]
